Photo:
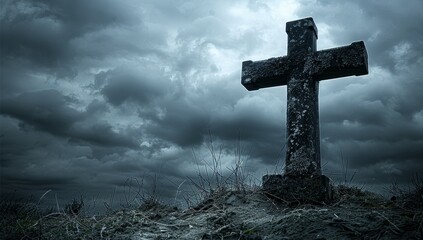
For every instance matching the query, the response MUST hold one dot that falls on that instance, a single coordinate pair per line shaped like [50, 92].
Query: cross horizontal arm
[267, 73]
[340, 62]
[321, 65]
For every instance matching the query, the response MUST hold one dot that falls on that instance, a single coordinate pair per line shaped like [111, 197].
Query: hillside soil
[238, 215]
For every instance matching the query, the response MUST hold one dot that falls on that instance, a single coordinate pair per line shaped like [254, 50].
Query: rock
[298, 189]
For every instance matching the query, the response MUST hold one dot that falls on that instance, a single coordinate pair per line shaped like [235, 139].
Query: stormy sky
[94, 93]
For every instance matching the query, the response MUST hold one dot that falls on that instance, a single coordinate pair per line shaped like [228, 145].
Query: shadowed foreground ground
[236, 215]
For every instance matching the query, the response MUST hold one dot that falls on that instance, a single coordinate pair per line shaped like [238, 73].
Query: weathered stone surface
[322, 65]
[290, 189]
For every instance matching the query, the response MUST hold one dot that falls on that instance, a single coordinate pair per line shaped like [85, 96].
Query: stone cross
[301, 70]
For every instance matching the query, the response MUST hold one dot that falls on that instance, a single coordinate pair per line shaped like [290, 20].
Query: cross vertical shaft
[303, 142]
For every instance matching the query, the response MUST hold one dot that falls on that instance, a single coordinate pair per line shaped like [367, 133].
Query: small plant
[213, 181]
[18, 218]
[75, 207]
[411, 197]
[149, 204]
[344, 190]
[347, 177]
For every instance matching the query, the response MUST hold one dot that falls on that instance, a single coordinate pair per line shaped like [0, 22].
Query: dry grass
[410, 197]
[212, 181]
[233, 214]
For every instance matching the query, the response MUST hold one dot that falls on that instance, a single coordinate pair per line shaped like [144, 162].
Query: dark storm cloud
[376, 161]
[255, 121]
[44, 43]
[183, 123]
[41, 31]
[101, 134]
[31, 179]
[49, 111]
[33, 159]
[386, 108]
[126, 84]
[38, 40]
[46, 110]
[188, 122]
[57, 38]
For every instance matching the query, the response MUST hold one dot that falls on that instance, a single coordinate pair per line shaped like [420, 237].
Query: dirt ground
[245, 215]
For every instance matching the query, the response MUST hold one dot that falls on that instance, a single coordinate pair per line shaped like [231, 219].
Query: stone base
[298, 189]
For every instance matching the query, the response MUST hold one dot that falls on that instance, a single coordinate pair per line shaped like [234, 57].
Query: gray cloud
[49, 111]
[128, 85]
[46, 110]
[182, 124]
